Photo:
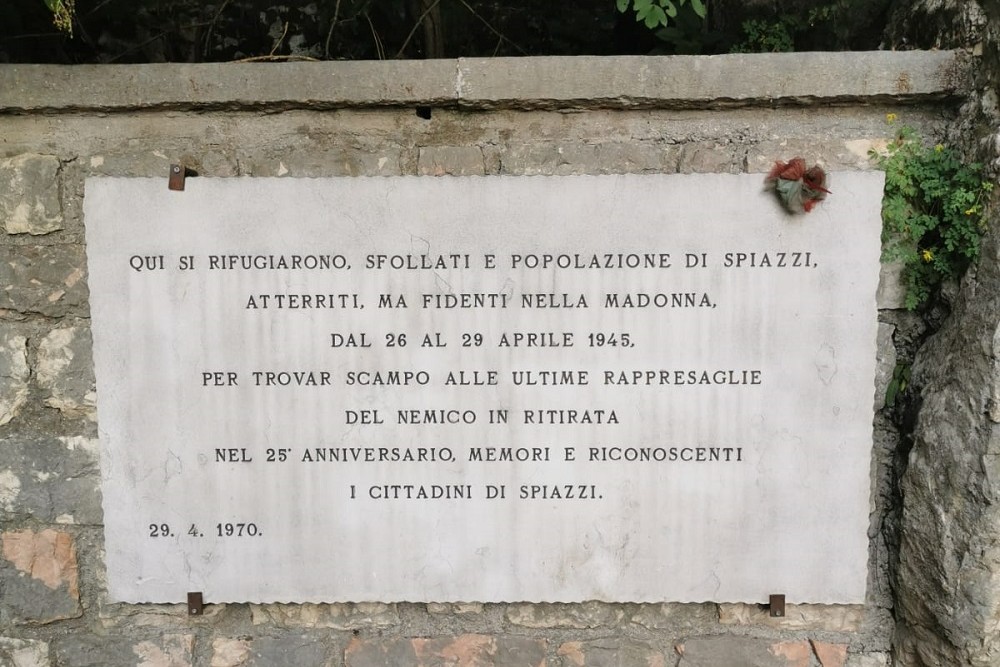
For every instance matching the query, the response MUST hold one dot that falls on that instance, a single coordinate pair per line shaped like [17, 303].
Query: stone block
[135, 162]
[582, 615]
[555, 82]
[53, 480]
[697, 81]
[300, 161]
[831, 154]
[607, 158]
[470, 650]
[891, 293]
[29, 194]
[675, 615]
[709, 158]
[826, 618]
[23, 653]
[455, 608]
[298, 650]
[167, 651]
[38, 574]
[65, 371]
[830, 655]
[451, 161]
[10, 489]
[228, 652]
[868, 660]
[14, 373]
[347, 616]
[48, 280]
[611, 652]
[160, 616]
[743, 651]
[89, 650]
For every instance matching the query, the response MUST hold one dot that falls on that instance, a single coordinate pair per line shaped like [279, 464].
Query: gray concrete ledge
[487, 83]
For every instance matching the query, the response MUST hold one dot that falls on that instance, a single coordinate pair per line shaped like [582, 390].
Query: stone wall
[533, 116]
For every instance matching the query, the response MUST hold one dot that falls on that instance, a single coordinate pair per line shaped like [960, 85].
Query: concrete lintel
[544, 82]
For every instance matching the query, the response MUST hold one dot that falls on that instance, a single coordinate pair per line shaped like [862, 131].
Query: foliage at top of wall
[933, 212]
[131, 31]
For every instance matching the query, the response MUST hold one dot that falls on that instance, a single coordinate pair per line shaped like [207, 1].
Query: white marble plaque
[620, 388]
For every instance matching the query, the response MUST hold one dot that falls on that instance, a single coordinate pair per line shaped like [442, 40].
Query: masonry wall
[534, 116]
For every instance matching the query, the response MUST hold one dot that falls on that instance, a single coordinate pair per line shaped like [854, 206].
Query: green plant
[779, 35]
[62, 14]
[659, 13]
[897, 385]
[932, 212]
[760, 36]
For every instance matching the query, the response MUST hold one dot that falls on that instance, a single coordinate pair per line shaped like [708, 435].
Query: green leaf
[699, 8]
[655, 17]
[669, 8]
[621, 4]
[890, 393]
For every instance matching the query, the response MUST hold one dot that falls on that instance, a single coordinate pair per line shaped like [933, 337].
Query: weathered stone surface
[891, 288]
[743, 651]
[832, 154]
[451, 161]
[29, 194]
[230, 652]
[611, 652]
[828, 618]
[159, 616]
[693, 81]
[583, 615]
[23, 653]
[44, 279]
[10, 489]
[169, 651]
[38, 574]
[830, 655]
[347, 616]
[675, 615]
[936, 24]
[948, 597]
[87, 650]
[56, 480]
[470, 650]
[14, 373]
[335, 160]
[455, 608]
[65, 371]
[306, 651]
[295, 649]
[665, 81]
[868, 660]
[709, 158]
[599, 158]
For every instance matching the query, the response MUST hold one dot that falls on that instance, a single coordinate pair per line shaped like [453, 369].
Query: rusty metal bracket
[776, 605]
[196, 605]
[177, 176]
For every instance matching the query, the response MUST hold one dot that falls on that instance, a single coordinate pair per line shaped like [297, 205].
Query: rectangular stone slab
[622, 388]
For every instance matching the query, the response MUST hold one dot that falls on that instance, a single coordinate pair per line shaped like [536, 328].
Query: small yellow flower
[927, 255]
[938, 148]
[891, 118]
[970, 211]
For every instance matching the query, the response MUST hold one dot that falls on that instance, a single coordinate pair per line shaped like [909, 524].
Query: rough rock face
[948, 601]
[936, 24]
